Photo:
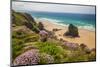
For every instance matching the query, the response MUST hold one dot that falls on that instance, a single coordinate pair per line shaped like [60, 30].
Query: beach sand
[87, 37]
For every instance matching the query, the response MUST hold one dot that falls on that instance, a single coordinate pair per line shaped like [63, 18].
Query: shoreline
[91, 28]
[86, 36]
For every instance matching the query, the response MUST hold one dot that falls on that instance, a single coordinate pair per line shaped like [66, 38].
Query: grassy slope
[30, 37]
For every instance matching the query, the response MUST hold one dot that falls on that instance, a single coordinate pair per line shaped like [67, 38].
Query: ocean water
[82, 21]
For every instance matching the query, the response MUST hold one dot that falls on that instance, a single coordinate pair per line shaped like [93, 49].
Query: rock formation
[72, 31]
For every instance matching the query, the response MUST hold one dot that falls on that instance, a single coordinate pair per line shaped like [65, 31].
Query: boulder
[72, 31]
[83, 46]
[41, 26]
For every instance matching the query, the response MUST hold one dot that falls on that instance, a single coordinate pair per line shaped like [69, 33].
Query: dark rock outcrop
[83, 46]
[72, 31]
[29, 17]
[55, 29]
[40, 25]
[26, 19]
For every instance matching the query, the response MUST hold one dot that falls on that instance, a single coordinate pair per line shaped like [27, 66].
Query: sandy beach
[87, 37]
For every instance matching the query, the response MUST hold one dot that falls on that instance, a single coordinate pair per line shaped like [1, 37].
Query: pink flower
[27, 58]
[71, 45]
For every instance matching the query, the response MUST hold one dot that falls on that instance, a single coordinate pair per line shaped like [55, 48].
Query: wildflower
[28, 58]
[43, 35]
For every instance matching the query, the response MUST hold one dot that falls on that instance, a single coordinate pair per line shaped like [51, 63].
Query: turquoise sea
[83, 21]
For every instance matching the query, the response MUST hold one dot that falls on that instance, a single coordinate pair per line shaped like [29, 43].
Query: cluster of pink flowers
[28, 58]
[71, 45]
[43, 32]
[43, 35]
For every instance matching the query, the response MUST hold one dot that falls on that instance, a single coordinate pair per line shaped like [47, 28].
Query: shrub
[92, 56]
[52, 49]
[45, 58]
[19, 34]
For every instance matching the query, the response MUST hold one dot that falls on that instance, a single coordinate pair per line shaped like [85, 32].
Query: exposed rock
[83, 46]
[55, 29]
[40, 25]
[26, 19]
[93, 49]
[29, 17]
[28, 58]
[72, 31]
[61, 39]
[51, 35]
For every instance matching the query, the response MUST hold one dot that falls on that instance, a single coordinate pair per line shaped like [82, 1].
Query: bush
[52, 49]
[45, 58]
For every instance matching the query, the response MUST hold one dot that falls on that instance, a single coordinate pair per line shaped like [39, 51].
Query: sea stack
[72, 31]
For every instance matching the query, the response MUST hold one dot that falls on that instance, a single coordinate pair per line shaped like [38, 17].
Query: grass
[17, 46]
[18, 41]
[61, 55]
[52, 49]
[18, 19]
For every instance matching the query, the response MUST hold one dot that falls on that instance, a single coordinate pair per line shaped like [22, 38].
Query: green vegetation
[52, 49]
[16, 47]
[45, 58]
[20, 19]
[25, 36]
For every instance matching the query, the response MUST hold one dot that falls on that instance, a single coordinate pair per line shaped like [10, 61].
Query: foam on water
[80, 25]
[48, 19]
[54, 21]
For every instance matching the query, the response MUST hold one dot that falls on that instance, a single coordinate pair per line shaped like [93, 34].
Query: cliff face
[19, 19]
